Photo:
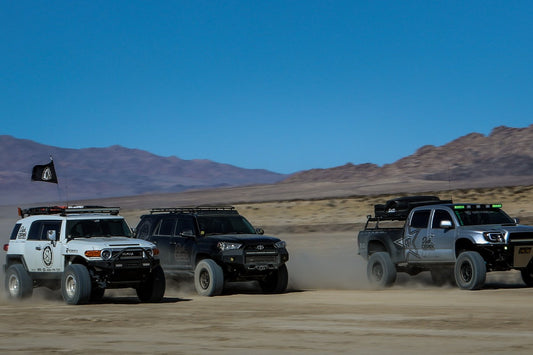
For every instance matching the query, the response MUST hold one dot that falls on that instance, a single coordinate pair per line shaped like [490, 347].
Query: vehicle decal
[427, 243]
[47, 255]
[409, 243]
[22, 234]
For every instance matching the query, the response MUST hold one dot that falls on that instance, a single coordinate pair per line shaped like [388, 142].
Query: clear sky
[278, 85]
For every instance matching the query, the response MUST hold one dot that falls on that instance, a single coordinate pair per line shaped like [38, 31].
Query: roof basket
[399, 208]
[197, 209]
[64, 210]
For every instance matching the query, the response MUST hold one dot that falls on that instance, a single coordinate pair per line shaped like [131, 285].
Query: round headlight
[106, 254]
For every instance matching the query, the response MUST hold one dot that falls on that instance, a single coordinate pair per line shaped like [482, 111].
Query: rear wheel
[153, 289]
[76, 284]
[470, 271]
[381, 271]
[276, 282]
[208, 278]
[19, 284]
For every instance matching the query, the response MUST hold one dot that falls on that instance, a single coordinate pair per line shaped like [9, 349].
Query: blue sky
[278, 85]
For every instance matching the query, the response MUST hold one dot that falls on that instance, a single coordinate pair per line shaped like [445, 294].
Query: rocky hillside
[112, 171]
[504, 155]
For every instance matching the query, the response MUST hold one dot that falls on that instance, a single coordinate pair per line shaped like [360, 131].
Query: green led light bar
[459, 207]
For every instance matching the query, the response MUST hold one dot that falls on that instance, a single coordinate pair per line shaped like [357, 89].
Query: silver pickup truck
[456, 242]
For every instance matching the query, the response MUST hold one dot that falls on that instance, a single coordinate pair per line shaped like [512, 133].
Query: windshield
[225, 225]
[88, 228]
[480, 217]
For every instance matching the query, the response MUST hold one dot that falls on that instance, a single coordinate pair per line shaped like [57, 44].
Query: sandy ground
[328, 309]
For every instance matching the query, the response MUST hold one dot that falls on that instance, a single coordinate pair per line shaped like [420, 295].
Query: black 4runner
[215, 245]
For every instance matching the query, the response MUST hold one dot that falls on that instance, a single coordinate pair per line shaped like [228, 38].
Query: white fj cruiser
[82, 251]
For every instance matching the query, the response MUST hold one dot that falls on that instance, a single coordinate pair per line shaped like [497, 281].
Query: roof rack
[197, 209]
[64, 210]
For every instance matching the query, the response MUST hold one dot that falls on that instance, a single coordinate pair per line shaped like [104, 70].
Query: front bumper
[125, 268]
[245, 261]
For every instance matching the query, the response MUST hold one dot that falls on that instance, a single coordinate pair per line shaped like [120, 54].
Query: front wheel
[76, 284]
[19, 284]
[208, 278]
[470, 271]
[527, 275]
[276, 282]
[381, 271]
[153, 289]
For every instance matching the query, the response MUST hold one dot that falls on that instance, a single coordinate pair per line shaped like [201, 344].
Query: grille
[266, 259]
[521, 237]
[129, 254]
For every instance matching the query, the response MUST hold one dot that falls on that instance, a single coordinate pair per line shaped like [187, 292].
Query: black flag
[46, 173]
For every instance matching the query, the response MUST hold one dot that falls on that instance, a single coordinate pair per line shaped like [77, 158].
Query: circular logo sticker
[47, 256]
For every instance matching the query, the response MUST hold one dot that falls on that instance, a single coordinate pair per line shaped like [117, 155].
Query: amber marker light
[93, 253]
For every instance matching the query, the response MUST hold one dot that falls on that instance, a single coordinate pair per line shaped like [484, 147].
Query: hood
[511, 228]
[110, 242]
[243, 238]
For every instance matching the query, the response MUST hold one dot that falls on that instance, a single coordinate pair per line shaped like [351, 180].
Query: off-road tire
[470, 271]
[381, 271]
[18, 282]
[527, 275]
[153, 289]
[276, 282]
[443, 276]
[76, 284]
[208, 278]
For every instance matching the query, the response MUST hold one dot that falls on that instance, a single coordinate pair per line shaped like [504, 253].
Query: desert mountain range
[503, 158]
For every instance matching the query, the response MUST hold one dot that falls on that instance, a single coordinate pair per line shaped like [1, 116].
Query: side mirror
[516, 220]
[260, 231]
[51, 235]
[446, 224]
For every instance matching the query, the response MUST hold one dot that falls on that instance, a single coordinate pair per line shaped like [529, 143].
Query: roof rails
[197, 209]
[64, 210]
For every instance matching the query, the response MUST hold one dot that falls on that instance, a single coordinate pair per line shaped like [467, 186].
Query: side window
[39, 229]
[166, 226]
[185, 225]
[420, 219]
[439, 216]
[15, 231]
[144, 230]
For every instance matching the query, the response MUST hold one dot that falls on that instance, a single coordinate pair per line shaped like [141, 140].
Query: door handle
[37, 248]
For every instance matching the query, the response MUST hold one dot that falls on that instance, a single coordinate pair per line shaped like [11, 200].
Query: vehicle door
[42, 251]
[184, 243]
[416, 243]
[162, 237]
[442, 236]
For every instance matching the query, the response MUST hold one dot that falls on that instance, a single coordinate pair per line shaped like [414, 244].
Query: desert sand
[329, 307]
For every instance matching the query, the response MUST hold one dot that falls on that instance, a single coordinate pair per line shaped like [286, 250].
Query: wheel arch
[15, 259]
[464, 244]
[375, 246]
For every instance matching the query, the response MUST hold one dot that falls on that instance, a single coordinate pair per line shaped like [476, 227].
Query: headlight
[106, 254]
[222, 246]
[494, 237]
[281, 244]
[151, 252]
